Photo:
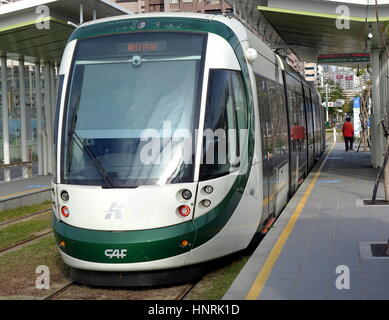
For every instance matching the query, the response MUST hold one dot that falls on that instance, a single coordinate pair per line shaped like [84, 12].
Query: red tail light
[184, 211]
[65, 211]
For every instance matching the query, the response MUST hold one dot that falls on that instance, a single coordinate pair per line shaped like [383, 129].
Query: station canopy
[20, 36]
[309, 27]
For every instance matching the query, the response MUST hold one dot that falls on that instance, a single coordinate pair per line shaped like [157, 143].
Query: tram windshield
[132, 109]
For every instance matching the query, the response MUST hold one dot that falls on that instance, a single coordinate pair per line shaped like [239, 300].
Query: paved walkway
[323, 227]
[24, 186]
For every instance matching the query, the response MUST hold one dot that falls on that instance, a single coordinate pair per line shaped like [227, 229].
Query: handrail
[16, 164]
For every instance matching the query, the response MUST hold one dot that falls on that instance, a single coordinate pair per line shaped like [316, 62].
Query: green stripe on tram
[160, 243]
[141, 245]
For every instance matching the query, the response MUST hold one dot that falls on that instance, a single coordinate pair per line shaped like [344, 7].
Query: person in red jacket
[348, 133]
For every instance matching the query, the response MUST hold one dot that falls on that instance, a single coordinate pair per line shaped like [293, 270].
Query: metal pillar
[53, 86]
[4, 104]
[377, 136]
[48, 118]
[52, 92]
[94, 13]
[384, 83]
[81, 13]
[38, 105]
[30, 87]
[23, 117]
[31, 99]
[166, 5]
[44, 152]
[327, 117]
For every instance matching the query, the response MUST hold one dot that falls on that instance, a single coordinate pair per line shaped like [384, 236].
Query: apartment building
[203, 6]
[314, 73]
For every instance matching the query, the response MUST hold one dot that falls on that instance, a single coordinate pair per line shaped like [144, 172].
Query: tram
[179, 137]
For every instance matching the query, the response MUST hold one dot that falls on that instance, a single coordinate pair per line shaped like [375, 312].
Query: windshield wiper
[85, 148]
[89, 152]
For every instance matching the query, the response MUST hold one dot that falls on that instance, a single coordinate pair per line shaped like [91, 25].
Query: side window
[57, 106]
[56, 121]
[225, 116]
[240, 100]
[283, 122]
[274, 116]
[263, 105]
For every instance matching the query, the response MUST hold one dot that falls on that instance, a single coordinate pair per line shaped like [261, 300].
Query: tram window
[135, 113]
[283, 122]
[240, 102]
[263, 106]
[225, 116]
[57, 109]
[275, 118]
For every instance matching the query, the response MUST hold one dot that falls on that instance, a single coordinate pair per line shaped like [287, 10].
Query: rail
[23, 164]
[16, 164]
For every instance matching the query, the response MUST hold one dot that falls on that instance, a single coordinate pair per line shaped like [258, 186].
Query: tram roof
[208, 16]
[308, 27]
[20, 36]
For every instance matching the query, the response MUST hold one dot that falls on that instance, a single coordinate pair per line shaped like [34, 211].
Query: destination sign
[146, 46]
[345, 57]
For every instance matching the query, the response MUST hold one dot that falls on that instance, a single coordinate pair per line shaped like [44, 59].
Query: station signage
[337, 104]
[344, 57]
[357, 102]
[356, 113]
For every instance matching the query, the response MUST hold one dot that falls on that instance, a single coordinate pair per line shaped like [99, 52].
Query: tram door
[310, 128]
[267, 148]
[297, 127]
[316, 125]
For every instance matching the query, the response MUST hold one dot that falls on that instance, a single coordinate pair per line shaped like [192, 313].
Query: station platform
[21, 192]
[320, 246]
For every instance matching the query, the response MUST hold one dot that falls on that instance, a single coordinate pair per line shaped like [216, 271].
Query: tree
[334, 93]
[348, 107]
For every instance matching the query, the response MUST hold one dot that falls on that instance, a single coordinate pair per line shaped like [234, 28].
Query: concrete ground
[319, 248]
[22, 192]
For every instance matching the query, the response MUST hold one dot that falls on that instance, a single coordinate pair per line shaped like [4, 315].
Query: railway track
[26, 241]
[8, 222]
[59, 291]
[57, 294]
[184, 292]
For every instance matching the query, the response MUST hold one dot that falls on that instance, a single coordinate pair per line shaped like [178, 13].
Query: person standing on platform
[348, 134]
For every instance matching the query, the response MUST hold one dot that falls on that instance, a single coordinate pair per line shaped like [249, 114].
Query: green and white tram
[178, 138]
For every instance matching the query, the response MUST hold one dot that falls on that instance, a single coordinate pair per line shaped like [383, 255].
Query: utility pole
[327, 116]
